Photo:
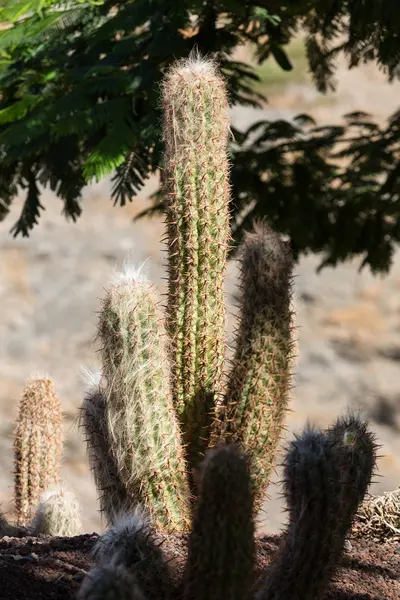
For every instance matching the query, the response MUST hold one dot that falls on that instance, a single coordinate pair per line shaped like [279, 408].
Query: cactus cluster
[192, 443]
[42, 505]
[326, 477]
[177, 442]
[165, 397]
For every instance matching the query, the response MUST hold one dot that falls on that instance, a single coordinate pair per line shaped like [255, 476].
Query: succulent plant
[142, 427]
[326, 477]
[58, 514]
[37, 446]
[164, 397]
[170, 432]
[221, 547]
[114, 498]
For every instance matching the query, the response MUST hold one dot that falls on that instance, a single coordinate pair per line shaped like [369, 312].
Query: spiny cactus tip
[126, 526]
[130, 272]
[195, 65]
[91, 377]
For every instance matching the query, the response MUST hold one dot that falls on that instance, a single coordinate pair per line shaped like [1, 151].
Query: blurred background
[348, 321]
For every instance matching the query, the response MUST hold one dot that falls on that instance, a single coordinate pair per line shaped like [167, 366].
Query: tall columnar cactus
[259, 382]
[327, 475]
[37, 446]
[114, 498]
[196, 129]
[221, 544]
[143, 429]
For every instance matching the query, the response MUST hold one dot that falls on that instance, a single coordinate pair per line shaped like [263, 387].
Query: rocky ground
[53, 568]
[50, 285]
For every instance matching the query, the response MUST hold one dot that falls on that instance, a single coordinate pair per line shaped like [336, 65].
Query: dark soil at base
[46, 568]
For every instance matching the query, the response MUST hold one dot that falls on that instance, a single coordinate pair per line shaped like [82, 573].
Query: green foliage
[79, 99]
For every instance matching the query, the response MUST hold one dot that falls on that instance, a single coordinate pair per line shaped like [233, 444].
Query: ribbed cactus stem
[37, 446]
[58, 514]
[143, 429]
[133, 543]
[259, 382]
[221, 544]
[114, 499]
[321, 501]
[196, 129]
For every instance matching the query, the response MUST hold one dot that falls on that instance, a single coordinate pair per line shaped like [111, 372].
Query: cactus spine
[37, 446]
[258, 387]
[143, 429]
[196, 129]
[221, 545]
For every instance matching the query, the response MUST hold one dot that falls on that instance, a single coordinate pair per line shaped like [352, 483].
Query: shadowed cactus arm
[196, 129]
[259, 381]
[114, 499]
[221, 544]
[325, 481]
[143, 429]
[37, 446]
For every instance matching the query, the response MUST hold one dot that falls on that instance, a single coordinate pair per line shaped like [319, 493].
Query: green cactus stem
[37, 446]
[196, 130]
[259, 382]
[143, 429]
[221, 544]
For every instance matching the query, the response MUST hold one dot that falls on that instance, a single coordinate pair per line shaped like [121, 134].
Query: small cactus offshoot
[58, 514]
[133, 544]
[112, 582]
[141, 424]
[37, 446]
[257, 395]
